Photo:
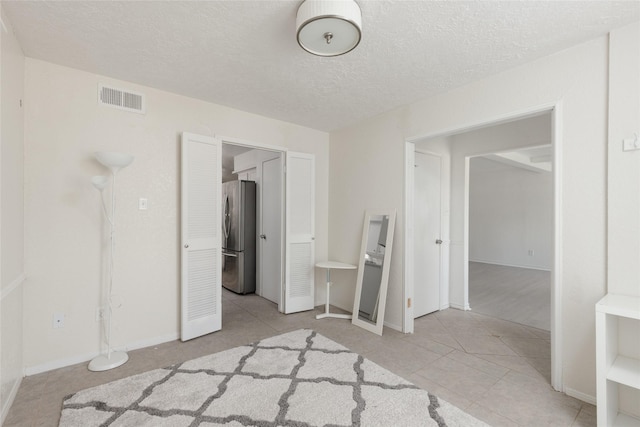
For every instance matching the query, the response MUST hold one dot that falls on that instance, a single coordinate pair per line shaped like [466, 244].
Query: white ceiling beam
[520, 161]
[541, 159]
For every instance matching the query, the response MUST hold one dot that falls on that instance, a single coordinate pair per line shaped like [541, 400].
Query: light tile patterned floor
[496, 370]
[521, 295]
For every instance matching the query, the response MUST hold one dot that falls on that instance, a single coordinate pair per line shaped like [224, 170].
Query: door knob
[438, 242]
[262, 236]
[186, 245]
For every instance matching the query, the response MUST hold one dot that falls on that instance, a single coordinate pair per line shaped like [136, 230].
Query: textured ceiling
[243, 54]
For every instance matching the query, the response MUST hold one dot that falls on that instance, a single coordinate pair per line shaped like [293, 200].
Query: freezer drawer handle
[227, 254]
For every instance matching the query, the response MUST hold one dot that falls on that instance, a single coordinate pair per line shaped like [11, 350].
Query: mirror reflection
[373, 262]
[373, 271]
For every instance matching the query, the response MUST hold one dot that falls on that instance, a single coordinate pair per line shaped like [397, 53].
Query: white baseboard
[59, 363]
[502, 264]
[82, 358]
[12, 396]
[393, 326]
[340, 306]
[580, 395]
[460, 306]
[153, 341]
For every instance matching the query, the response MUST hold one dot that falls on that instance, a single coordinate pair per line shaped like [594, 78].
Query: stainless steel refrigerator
[239, 236]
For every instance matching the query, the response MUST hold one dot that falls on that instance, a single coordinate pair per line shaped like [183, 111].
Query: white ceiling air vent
[121, 99]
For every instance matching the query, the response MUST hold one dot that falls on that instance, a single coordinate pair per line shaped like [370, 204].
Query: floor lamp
[114, 161]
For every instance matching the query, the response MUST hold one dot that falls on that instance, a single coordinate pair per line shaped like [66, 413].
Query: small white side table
[329, 265]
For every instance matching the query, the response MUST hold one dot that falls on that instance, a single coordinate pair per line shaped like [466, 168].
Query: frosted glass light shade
[100, 182]
[114, 160]
[329, 27]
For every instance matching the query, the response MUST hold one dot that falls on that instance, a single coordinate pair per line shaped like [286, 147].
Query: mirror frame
[384, 282]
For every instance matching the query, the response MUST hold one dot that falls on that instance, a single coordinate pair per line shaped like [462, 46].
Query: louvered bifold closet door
[300, 229]
[201, 186]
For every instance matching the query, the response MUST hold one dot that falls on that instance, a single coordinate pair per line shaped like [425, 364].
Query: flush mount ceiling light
[329, 27]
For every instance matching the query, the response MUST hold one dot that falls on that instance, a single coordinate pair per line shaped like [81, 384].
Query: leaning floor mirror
[373, 271]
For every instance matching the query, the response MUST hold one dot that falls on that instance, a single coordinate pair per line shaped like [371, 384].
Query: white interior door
[299, 292]
[201, 285]
[427, 213]
[270, 234]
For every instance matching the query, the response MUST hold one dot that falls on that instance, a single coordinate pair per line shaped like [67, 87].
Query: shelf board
[623, 420]
[625, 370]
[620, 305]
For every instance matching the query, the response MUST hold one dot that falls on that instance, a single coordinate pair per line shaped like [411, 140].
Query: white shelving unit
[612, 368]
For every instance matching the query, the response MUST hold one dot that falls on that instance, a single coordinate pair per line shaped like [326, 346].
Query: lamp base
[104, 363]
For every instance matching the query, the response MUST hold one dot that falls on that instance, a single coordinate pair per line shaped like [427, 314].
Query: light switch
[142, 204]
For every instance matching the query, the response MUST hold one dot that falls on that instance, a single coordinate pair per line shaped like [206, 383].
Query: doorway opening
[510, 234]
[453, 236]
[265, 168]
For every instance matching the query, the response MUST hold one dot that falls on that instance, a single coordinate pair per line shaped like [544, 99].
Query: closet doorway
[201, 245]
[265, 168]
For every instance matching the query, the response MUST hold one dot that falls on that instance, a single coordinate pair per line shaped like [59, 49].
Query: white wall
[11, 216]
[624, 167]
[369, 156]
[366, 173]
[623, 214]
[510, 213]
[64, 126]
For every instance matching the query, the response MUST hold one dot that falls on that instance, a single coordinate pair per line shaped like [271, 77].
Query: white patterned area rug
[296, 379]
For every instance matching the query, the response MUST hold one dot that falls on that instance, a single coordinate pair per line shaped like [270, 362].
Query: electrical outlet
[58, 320]
[142, 204]
[531, 252]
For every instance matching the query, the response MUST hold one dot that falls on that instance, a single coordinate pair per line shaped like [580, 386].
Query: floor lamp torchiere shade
[114, 161]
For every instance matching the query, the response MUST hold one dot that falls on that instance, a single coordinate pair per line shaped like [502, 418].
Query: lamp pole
[114, 161]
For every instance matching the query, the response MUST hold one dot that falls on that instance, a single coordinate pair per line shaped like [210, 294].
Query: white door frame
[283, 151]
[409, 205]
[555, 109]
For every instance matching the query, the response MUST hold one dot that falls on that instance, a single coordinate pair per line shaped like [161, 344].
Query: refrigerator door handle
[230, 254]
[227, 217]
